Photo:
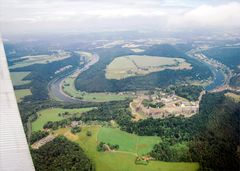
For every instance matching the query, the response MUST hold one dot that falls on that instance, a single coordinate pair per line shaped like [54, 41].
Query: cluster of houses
[173, 106]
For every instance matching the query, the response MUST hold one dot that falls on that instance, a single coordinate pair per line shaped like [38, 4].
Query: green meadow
[69, 88]
[124, 158]
[135, 65]
[128, 142]
[40, 59]
[17, 78]
[51, 114]
[20, 94]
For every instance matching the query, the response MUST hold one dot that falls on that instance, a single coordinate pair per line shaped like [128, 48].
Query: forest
[29, 110]
[19, 49]
[37, 136]
[42, 74]
[52, 155]
[93, 80]
[230, 56]
[210, 137]
[189, 92]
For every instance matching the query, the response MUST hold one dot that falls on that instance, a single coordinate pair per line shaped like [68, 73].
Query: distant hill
[230, 56]
[93, 80]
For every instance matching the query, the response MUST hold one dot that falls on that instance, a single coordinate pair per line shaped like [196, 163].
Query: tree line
[93, 80]
[209, 137]
[52, 156]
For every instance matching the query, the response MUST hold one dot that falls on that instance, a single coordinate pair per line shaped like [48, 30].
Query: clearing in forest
[135, 65]
[18, 78]
[69, 88]
[52, 114]
[20, 94]
[124, 158]
[40, 59]
[128, 142]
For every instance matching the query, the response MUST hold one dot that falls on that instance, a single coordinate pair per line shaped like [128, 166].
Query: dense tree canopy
[42, 74]
[189, 92]
[210, 137]
[52, 156]
[37, 136]
[94, 80]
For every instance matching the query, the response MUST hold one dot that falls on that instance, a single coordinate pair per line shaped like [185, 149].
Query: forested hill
[230, 56]
[211, 137]
[42, 74]
[93, 80]
[164, 50]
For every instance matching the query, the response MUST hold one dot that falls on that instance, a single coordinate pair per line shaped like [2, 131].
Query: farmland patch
[133, 65]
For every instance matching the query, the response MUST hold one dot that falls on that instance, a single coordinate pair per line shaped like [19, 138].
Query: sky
[62, 16]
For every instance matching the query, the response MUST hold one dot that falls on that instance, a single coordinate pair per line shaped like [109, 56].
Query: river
[55, 86]
[218, 80]
[219, 77]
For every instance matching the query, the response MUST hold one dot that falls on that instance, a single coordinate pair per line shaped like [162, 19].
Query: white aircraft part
[14, 151]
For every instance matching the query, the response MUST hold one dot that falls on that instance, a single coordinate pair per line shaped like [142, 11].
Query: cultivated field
[69, 88]
[51, 114]
[20, 94]
[17, 78]
[129, 66]
[41, 59]
[124, 158]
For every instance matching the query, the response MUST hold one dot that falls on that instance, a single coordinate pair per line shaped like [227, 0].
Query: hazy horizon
[19, 17]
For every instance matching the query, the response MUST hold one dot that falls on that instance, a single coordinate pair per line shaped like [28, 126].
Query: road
[55, 86]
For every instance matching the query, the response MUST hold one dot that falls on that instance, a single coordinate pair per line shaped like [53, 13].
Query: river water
[218, 78]
[218, 75]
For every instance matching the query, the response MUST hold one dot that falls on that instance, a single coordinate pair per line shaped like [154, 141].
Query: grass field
[51, 114]
[120, 160]
[40, 59]
[235, 97]
[20, 94]
[17, 78]
[69, 88]
[87, 55]
[202, 83]
[128, 142]
[129, 66]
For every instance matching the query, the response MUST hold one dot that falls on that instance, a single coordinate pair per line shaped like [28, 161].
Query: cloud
[21, 16]
[119, 13]
[207, 16]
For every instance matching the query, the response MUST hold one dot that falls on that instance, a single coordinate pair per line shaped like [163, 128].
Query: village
[163, 105]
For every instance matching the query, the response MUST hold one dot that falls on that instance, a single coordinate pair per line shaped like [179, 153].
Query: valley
[144, 108]
[222, 74]
[119, 85]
